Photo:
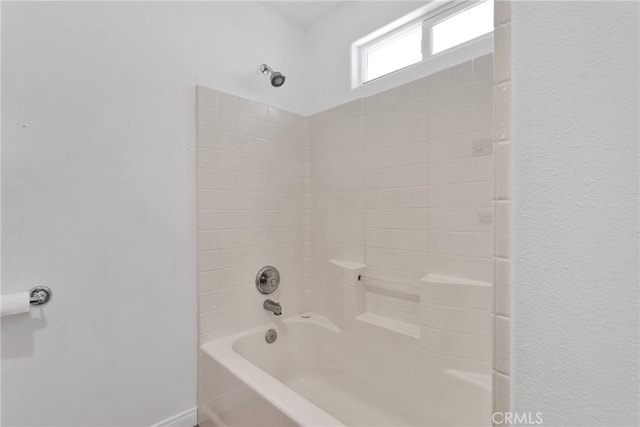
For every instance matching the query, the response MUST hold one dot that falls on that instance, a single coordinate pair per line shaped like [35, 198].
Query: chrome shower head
[276, 77]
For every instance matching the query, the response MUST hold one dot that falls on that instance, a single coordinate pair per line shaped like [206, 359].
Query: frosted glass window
[393, 53]
[462, 27]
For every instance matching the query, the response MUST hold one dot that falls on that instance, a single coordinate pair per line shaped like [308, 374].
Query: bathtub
[315, 374]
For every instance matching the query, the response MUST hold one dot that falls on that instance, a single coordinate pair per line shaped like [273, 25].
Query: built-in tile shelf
[407, 291]
[392, 305]
[404, 328]
[356, 268]
[450, 315]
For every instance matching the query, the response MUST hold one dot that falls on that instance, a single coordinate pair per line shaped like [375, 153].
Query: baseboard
[187, 418]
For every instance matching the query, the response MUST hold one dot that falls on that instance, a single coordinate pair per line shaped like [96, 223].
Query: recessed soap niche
[448, 308]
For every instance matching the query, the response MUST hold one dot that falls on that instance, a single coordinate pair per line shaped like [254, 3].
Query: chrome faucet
[273, 307]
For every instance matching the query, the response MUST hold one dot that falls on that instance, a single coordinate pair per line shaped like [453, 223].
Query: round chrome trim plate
[267, 279]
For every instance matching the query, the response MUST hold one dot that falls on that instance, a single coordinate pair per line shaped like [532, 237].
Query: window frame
[427, 16]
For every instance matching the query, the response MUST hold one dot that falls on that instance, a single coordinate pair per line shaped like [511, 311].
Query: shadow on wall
[18, 331]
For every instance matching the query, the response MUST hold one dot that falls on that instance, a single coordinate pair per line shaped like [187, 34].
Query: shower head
[276, 77]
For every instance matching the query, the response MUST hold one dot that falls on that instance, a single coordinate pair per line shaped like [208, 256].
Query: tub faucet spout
[273, 307]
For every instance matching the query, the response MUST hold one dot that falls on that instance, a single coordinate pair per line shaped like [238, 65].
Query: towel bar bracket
[40, 295]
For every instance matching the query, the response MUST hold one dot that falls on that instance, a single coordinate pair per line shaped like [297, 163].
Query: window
[463, 26]
[392, 53]
[418, 37]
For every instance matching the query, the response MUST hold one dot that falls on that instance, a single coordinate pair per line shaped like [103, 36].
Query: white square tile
[430, 339]
[466, 296]
[207, 240]
[244, 107]
[276, 116]
[483, 67]
[208, 280]
[502, 105]
[226, 120]
[501, 393]
[483, 117]
[244, 125]
[502, 288]
[468, 346]
[502, 217]
[208, 220]
[483, 91]
[502, 167]
[207, 260]
[461, 74]
[207, 117]
[226, 102]
[260, 112]
[421, 87]
[206, 97]
[455, 319]
[502, 53]
[502, 345]
[502, 12]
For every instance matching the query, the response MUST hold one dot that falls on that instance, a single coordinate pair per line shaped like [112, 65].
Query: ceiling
[302, 13]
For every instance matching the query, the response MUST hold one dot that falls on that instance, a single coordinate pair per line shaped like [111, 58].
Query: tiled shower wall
[336, 212]
[253, 168]
[403, 182]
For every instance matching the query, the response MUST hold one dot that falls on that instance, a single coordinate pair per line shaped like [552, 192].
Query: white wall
[575, 211]
[98, 191]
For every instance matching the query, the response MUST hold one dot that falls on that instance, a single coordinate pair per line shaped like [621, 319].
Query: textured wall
[575, 211]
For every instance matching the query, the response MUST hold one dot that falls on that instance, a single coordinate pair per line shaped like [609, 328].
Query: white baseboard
[187, 418]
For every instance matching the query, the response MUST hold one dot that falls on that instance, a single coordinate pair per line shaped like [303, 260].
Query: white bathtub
[316, 375]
